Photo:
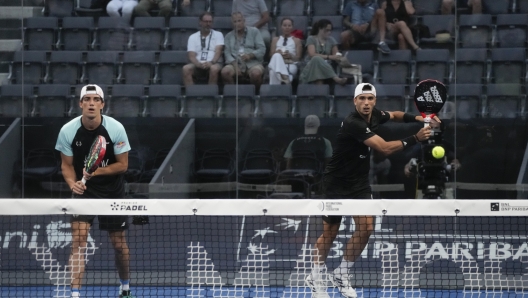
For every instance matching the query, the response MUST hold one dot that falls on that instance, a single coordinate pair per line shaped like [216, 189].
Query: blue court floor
[272, 292]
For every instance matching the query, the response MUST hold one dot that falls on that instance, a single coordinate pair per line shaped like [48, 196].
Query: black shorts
[106, 222]
[330, 193]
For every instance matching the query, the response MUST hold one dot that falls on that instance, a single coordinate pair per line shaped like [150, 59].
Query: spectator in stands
[244, 52]
[363, 18]
[322, 50]
[285, 52]
[475, 5]
[397, 13]
[121, 8]
[310, 141]
[165, 7]
[256, 14]
[204, 50]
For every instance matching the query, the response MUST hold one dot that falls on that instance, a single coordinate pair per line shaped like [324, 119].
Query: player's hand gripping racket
[429, 98]
[97, 153]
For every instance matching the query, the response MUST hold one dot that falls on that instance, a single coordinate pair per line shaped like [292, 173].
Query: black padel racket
[429, 98]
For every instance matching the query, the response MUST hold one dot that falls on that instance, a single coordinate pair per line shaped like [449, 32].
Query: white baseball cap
[92, 89]
[364, 88]
[311, 124]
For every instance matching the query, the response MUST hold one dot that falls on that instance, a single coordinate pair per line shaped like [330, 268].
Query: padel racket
[97, 153]
[429, 98]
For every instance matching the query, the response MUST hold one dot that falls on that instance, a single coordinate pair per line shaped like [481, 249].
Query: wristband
[409, 141]
[409, 118]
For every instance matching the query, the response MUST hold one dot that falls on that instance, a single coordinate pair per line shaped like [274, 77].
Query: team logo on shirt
[78, 143]
[368, 130]
[120, 145]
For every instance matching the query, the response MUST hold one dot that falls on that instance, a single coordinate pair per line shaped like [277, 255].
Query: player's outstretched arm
[387, 148]
[399, 116]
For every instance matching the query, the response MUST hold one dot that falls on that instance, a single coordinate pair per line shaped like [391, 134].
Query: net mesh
[265, 248]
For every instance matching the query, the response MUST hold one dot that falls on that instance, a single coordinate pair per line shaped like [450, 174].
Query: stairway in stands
[11, 14]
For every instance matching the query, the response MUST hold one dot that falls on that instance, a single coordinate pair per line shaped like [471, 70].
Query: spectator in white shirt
[204, 50]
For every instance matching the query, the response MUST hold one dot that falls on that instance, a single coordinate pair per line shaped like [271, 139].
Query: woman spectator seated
[398, 14]
[322, 50]
[285, 52]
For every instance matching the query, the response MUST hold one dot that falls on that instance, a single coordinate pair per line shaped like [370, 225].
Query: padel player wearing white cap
[346, 177]
[74, 142]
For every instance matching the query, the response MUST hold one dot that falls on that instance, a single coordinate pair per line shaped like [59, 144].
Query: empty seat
[275, 101]
[28, 67]
[148, 33]
[505, 100]
[76, 109]
[222, 8]
[180, 28]
[100, 67]
[86, 8]
[427, 7]
[437, 23]
[39, 33]
[170, 67]
[432, 64]
[137, 68]
[337, 24]
[508, 65]
[58, 8]
[53, 101]
[394, 68]
[238, 101]
[342, 103]
[258, 166]
[511, 30]
[312, 100]
[65, 67]
[304, 165]
[222, 24]
[16, 100]
[215, 165]
[195, 8]
[523, 6]
[112, 34]
[365, 59]
[495, 7]
[391, 97]
[163, 100]
[126, 101]
[200, 101]
[325, 7]
[76, 33]
[470, 66]
[291, 7]
[136, 165]
[474, 31]
[468, 99]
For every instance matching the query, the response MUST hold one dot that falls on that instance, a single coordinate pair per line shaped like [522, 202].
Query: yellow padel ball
[438, 152]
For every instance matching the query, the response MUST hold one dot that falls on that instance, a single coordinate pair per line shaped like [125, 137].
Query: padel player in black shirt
[346, 177]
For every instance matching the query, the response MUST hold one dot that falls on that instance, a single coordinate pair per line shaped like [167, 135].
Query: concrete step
[10, 29]
[18, 12]
[10, 45]
[22, 3]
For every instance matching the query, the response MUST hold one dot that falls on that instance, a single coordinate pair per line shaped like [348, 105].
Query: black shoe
[384, 48]
[125, 294]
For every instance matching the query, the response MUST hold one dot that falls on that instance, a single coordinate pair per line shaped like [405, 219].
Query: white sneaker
[341, 281]
[318, 287]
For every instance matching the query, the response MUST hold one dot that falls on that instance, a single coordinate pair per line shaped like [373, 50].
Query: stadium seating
[471, 66]
[28, 67]
[40, 33]
[241, 97]
[137, 68]
[468, 99]
[148, 33]
[126, 101]
[511, 30]
[200, 101]
[508, 65]
[53, 101]
[394, 68]
[163, 100]
[475, 30]
[391, 97]
[76, 33]
[65, 67]
[112, 34]
[274, 101]
[16, 100]
[505, 100]
[432, 64]
[169, 67]
[100, 67]
[311, 100]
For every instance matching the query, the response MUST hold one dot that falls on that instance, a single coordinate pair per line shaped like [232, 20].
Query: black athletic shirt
[347, 172]
[75, 140]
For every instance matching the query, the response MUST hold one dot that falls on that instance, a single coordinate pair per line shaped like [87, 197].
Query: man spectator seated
[204, 50]
[244, 53]
[256, 14]
[363, 18]
[474, 5]
[310, 141]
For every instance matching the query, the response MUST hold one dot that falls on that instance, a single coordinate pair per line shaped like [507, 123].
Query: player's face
[91, 105]
[365, 103]
[206, 22]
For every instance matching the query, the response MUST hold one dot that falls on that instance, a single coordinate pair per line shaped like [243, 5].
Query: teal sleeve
[328, 150]
[63, 145]
[288, 152]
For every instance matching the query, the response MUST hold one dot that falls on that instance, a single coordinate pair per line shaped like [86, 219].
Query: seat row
[501, 65]
[465, 101]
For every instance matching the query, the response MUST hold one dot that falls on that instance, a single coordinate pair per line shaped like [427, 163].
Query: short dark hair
[321, 24]
[206, 13]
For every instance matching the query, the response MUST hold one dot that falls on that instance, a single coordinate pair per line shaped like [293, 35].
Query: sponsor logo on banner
[128, 206]
[508, 207]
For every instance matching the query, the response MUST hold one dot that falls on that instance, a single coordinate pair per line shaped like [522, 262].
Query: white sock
[343, 267]
[317, 270]
[125, 285]
[75, 294]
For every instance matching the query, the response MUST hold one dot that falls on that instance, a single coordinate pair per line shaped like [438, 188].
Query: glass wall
[168, 74]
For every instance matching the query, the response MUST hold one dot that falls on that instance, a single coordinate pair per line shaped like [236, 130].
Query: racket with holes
[429, 98]
[97, 153]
